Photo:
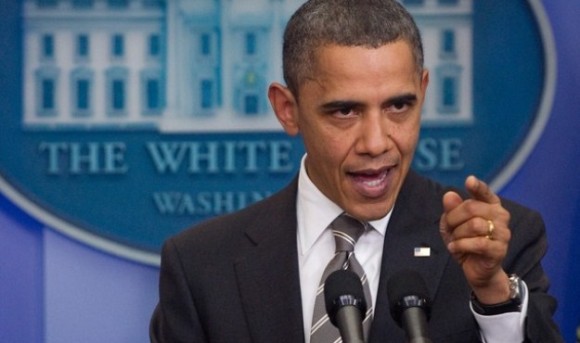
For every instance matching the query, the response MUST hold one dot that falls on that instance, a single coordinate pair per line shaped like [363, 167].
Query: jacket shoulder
[220, 229]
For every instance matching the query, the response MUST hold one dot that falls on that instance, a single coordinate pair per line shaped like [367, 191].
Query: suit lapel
[414, 224]
[268, 276]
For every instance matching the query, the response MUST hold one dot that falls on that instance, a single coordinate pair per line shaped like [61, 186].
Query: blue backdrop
[53, 289]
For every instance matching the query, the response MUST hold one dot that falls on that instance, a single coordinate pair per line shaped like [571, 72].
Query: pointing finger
[479, 190]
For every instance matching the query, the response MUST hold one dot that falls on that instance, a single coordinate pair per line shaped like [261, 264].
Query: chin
[370, 212]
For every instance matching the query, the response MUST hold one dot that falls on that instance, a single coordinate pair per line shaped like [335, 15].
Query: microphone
[345, 304]
[410, 304]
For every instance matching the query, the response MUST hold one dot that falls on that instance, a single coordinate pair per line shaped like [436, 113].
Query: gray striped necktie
[346, 231]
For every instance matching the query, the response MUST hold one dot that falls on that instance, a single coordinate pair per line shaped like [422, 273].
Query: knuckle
[478, 226]
[506, 215]
[484, 225]
[470, 206]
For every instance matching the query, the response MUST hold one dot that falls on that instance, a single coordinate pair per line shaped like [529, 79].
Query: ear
[424, 82]
[285, 107]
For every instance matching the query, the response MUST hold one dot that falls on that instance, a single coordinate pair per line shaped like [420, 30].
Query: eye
[346, 111]
[342, 109]
[399, 106]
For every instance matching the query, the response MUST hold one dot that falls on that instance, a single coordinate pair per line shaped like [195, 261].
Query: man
[355, 87]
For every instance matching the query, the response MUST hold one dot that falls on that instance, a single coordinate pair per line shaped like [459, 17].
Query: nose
[374, 137]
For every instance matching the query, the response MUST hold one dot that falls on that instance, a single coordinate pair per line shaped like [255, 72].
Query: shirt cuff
[506, 327]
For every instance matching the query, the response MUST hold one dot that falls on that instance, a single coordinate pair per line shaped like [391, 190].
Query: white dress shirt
[316, 248]
[316, 245]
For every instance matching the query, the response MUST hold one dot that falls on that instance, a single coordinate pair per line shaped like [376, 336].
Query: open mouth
[372, 183]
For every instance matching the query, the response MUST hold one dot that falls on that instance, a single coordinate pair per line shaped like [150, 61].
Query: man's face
[359, 116]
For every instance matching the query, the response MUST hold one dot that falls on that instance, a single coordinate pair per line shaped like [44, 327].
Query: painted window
[251, 43]
[48, 94]
[251, 104]
[118, 45]
[82, 46]
[448, 43]
[46, 91]
[206, 94]
[81, 83]
[83, 94]
[152, 92]
[154, 45]
[449, 82]
[118, 94]
[449, 92]
[205, 44]
[117, 85]
[47, 47]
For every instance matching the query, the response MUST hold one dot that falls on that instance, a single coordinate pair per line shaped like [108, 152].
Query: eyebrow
[336, 105]
[405, 98]
[339, 104]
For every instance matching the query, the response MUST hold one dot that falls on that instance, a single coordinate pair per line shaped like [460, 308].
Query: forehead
[359, 64]
[398, 51]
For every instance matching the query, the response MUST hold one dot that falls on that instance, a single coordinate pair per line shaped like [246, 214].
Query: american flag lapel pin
[422, 252]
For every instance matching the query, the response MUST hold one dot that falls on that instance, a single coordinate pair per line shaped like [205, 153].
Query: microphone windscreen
[405, 289]
[342, 288]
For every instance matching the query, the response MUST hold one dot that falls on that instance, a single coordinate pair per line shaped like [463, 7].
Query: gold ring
[490, 228]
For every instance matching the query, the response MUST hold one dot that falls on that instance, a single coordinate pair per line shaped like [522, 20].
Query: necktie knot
[346, 230]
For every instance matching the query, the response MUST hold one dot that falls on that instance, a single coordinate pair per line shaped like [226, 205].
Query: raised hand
[477, 235]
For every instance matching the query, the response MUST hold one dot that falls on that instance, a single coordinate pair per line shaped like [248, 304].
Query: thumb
[451, 200]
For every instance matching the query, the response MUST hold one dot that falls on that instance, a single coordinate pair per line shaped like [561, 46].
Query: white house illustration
[198, 65]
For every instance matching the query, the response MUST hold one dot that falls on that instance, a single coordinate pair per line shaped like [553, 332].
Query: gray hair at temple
[367, 23]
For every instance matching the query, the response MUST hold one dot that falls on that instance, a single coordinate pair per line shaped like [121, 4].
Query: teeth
[376, 182]
[372, 183]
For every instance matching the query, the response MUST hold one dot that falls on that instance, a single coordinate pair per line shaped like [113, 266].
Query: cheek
[330, 151]
[328, 143]
[406, 139]
[329, 156]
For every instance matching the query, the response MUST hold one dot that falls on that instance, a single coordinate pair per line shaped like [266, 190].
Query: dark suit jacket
[235, 278]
